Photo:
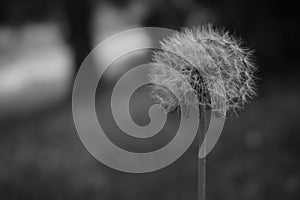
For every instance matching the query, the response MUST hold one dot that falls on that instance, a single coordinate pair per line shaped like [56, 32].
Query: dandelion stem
[202, 161]
[201, 179]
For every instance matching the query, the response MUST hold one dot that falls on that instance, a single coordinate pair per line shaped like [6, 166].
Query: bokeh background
[43, 43]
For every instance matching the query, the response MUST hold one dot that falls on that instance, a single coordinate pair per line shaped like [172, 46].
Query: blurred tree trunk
[78, 18]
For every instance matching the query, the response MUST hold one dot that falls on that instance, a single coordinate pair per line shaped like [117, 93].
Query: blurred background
[43, 43]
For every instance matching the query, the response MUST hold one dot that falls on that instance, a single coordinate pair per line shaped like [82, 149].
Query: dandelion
[210, 63]
[206, 63]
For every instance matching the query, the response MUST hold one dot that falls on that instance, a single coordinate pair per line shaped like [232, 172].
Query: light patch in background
[35, 66]
[109, 20]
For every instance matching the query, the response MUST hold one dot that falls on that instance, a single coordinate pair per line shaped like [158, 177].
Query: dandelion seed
[207, 62]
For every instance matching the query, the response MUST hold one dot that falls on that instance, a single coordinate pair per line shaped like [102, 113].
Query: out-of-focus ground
[41, 155]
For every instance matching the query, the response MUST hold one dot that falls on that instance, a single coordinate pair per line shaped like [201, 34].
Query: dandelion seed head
[205, 62]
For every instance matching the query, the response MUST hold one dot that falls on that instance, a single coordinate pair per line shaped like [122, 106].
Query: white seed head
[206, 62]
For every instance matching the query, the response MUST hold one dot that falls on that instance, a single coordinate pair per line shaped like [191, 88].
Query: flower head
[205, 62]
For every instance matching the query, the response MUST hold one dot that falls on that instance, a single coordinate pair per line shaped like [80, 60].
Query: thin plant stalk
[204, 121]
[201, 179]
